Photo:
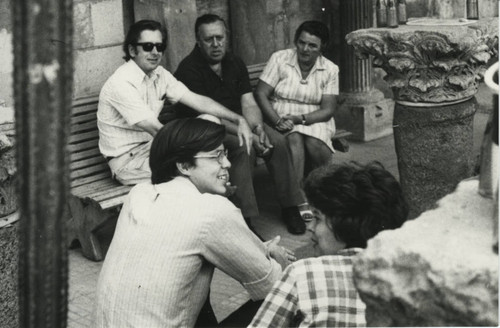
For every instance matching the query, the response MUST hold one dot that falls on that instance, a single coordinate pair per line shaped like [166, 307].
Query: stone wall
[98, 35]
[99, 27]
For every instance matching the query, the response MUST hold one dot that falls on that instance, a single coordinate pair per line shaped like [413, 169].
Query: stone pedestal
[434, 70]
[362, 109]
[437, 270]
[434, 150]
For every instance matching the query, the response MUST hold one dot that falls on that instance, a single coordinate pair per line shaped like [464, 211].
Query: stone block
[437, 270]
[107, 22]
[366, 120]
[83, 36]
[93, 67]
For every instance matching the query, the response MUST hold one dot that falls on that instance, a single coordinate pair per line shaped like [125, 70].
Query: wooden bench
[95, 196]
[339, 140]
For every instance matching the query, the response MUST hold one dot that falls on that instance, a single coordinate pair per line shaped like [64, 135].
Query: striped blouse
[291, 97]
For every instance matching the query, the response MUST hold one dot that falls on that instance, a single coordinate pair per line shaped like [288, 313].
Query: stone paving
[227, 294]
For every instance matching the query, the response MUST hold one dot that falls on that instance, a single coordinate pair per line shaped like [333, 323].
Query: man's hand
[261, 141]
[282, 255]
[245, 135]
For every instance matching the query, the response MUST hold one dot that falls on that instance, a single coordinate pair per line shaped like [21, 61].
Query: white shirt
[128, 97]
[168, 240]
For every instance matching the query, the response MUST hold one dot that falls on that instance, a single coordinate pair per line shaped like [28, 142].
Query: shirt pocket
[157, 106]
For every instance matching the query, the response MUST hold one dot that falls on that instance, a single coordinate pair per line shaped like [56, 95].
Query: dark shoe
[293, 220]
[252, 229]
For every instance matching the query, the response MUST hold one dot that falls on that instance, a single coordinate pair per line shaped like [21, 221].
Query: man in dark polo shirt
[211, 71]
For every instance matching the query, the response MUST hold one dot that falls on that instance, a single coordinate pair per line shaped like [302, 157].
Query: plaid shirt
[314, 292]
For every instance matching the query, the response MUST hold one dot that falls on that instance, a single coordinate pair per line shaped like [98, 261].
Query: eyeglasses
[221, 154]
[148, 46]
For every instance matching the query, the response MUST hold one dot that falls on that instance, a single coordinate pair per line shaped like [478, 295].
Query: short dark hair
[314, 28]
[207, 19]
[358, 201]
[134, 33]
[178, 142]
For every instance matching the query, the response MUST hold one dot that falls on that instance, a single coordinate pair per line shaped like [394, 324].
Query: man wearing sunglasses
[132, 98]
[212, 71]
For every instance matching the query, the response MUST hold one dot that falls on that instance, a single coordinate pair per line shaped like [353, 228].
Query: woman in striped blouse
[297, 94]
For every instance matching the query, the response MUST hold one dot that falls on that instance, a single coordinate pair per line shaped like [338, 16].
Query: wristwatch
[303, 119]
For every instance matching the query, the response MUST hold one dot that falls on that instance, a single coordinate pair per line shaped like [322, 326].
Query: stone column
[434, 71]
[43, 68]
[362, 108]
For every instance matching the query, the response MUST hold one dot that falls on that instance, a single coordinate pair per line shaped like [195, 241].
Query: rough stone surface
[9, 246]
[93, 67]
[434, 150]
[437, 270]
[367, 120]
[107, 22]
[83, 35]
[259, 28]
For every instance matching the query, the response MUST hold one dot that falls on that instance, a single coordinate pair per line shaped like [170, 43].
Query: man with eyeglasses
[132, 98]
[213, 72]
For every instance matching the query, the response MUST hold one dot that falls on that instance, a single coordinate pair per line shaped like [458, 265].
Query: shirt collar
[318, 65]
[180, 183]
[137, 75]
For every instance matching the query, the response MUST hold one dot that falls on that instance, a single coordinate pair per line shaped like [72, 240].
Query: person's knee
[295, 140]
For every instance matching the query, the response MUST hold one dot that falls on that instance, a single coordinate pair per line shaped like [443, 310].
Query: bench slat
[110, 193]
[89, 153]
[85, 126]
[82, 181]
[75, 138]
[341, 134]
[90, 117]
[113, 202]
[89, 170]
[83, 145]
[75, 165]
[95, 187]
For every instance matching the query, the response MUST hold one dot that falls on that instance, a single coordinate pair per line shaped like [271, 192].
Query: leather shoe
[293, 220]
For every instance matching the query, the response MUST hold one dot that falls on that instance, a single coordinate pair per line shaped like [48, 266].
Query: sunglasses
[148, 46]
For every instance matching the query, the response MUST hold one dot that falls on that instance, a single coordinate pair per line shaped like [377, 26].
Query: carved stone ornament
[430, 63]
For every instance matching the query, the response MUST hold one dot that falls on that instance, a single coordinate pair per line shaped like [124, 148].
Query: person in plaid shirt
[351, 204]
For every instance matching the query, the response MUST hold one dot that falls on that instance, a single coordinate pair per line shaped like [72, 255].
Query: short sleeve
[270, 74]
[331, 86]
[174, 89]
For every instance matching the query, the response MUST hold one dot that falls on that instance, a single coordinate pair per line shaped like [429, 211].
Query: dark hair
[134, 33]
[207, 19]
[314, 28]
[358, 201]
[178, 141]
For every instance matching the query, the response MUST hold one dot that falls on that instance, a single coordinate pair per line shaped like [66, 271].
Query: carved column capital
[430, 63]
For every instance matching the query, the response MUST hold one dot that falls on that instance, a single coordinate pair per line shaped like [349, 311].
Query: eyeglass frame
[219, 156]
[152, 45]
